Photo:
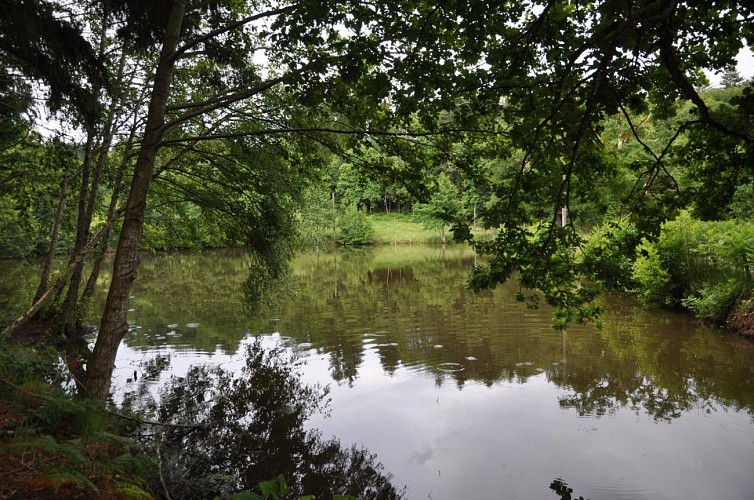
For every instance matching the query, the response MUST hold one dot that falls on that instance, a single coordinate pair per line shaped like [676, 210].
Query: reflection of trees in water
[17, 288]
[656, 374]
[562, 489]
[377, 291]
[345, 361]
[248, 428]
[609, 394]
[181, 288]
[654, 362]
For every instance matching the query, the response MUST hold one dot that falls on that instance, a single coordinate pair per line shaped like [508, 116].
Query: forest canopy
[228, 123]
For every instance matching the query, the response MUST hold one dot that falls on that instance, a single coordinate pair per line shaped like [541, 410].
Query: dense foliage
[203, 124]
[609, 252]
[704, 266]
[355, 228]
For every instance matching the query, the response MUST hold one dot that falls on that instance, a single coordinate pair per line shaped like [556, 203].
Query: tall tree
[731, 78]
[444, 208]
[218, 99]
[535, 79]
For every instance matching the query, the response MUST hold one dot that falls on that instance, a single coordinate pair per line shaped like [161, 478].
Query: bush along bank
[705, 267]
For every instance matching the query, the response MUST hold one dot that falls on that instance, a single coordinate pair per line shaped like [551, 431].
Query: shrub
[716, 301]
[355, 228]
[703, 266]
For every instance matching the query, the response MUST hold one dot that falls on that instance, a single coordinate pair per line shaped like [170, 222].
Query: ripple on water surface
[621, 491]
[450, 367]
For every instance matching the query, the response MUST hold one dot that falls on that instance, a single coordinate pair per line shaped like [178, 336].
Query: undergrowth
[705, 267]
[54, 445]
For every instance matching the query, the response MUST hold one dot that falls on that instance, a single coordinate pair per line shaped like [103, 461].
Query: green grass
[404, 230]
[401, 229]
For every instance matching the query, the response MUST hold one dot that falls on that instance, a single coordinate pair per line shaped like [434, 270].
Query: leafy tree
[316, 217]
[609, 252]
[444, 208]
[44, 40]
[534, 82]
[373, 178]
[15, 103]
[36, 169]
[742, 204]
[207, 87]
[716, 162]
[355, 189]
[561, 69]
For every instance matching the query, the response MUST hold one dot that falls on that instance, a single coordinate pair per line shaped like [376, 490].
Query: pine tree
[731, 78]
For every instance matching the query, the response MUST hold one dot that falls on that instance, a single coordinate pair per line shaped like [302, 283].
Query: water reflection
[450, 387]
[238, 428]
[17, 287]
[421, 315]
[561, 488]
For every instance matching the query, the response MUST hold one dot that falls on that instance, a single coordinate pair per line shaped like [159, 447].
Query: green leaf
[274, 488]
[245, 495]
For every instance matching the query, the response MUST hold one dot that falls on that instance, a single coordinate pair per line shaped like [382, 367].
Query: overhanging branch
[230, 27]
[219, 102]
[364, 132]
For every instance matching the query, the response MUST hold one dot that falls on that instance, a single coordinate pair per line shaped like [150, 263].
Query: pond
[464, 395]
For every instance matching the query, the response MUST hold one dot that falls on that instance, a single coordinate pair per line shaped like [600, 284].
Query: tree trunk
[86, 207]
[80, 240]
[334, 220]
[114, 326]
[54, 240]
[58, 285]
[97, 266]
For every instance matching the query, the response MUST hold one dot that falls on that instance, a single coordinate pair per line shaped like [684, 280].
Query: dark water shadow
[236, 430]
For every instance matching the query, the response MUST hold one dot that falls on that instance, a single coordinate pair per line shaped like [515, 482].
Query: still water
[464, 395]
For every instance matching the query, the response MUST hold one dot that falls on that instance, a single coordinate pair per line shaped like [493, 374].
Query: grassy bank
[400, 229]
[404, 229]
